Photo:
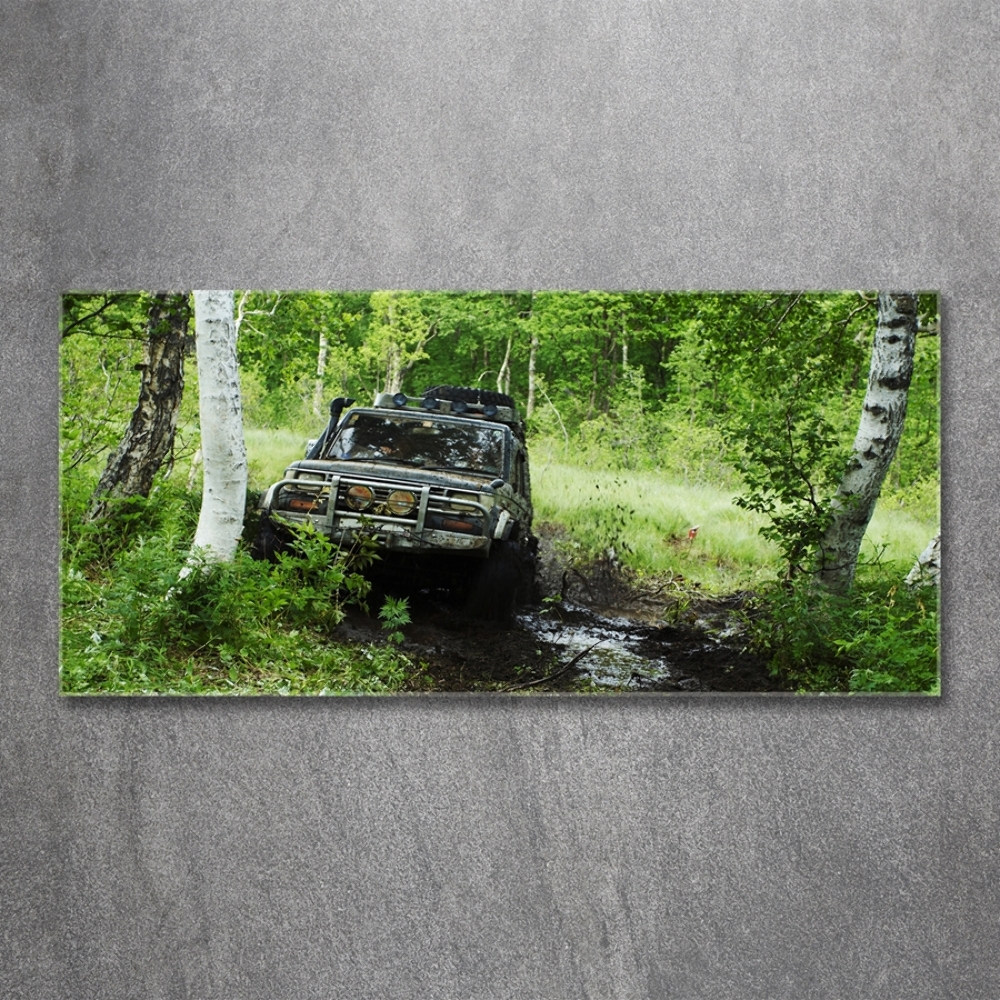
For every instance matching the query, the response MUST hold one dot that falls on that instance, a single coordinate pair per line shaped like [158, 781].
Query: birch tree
[926, 570]
[532, 376]
[324, 347]
[224, 457]
[882, 416]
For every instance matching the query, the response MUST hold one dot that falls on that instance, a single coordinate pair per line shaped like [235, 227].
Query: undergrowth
[880, 638]
[133, 624]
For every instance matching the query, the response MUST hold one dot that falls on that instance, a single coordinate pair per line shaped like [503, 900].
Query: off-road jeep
[439, 481]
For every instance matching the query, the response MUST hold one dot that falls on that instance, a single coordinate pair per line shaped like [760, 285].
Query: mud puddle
[609, 648]
[569, 647]
[617, 652]
[597, 629]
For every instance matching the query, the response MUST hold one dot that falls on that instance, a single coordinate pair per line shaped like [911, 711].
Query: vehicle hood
[404, 474]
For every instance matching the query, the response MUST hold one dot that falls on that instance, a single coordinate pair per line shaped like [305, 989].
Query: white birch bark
[927, 569]
[881, 426]
[503, 376]
[324, 346]
[532, 355]
[223, 449]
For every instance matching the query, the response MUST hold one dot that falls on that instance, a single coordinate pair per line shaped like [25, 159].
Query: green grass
[132, 625]
[880, 637]
[270, 452]
[901, 534]
[645, 517]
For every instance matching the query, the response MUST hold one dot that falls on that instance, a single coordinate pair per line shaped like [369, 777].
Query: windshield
[414, 440]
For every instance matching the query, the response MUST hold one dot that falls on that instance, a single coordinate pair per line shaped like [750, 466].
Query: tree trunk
[927, 569]
[503, 376]
[532, 355]
[393, 375]
[324, 346]
[149, 437]
[882, 418]
[223, 449]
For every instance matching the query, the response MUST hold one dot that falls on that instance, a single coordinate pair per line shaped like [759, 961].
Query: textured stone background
[484, 847]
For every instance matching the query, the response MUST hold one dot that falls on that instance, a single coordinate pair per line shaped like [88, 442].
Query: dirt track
[608, 633]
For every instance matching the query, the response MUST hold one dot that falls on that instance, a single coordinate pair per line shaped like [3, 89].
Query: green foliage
[645, 517]
[917, 463]
[880, 638]
[781, 377]
[100, 361]
[922, 497]
[133, 624]
[101, 347]
[170, 511]
[475, 332]
[271, 450]
[395, 614]
[278, 348]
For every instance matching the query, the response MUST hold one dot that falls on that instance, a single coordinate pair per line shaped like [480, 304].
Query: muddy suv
[439, 481]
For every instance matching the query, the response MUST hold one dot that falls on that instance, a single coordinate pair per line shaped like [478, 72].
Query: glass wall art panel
[531, 493]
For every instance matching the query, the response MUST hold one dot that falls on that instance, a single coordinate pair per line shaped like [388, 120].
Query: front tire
[499, 584]
[269, 543]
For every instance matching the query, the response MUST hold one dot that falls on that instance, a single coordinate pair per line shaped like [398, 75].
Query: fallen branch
[583, 580]
[551, 677]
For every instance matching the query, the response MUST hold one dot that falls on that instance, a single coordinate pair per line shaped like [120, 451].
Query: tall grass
[645, 516]
[880, 637]
[646, 519]
[897, 535]
[253, 627]
[271, 450]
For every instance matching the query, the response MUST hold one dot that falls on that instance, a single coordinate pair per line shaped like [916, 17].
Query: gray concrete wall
[485, 847]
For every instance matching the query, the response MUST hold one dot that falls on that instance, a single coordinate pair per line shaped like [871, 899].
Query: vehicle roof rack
[453, 407]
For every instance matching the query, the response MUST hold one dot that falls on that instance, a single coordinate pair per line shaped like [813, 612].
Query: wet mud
[594, 629]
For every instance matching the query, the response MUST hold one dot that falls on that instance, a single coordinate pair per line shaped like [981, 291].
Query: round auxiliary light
[401, 502]
[359, 497]
[459, 406]
[490, 410]
[429, 403]
[399, 399]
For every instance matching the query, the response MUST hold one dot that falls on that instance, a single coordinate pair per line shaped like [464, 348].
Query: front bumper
[322, 503]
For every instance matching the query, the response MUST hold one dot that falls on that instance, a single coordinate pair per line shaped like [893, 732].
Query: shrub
[879, 638]
[132, 624]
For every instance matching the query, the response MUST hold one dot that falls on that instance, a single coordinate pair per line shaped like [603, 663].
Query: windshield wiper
[460, 468]
[383, 459]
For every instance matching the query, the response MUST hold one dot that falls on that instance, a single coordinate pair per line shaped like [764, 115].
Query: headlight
[401, 502]
[359, 497]
[301, 501]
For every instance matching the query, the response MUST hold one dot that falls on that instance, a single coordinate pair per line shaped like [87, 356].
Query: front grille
[438, 507]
